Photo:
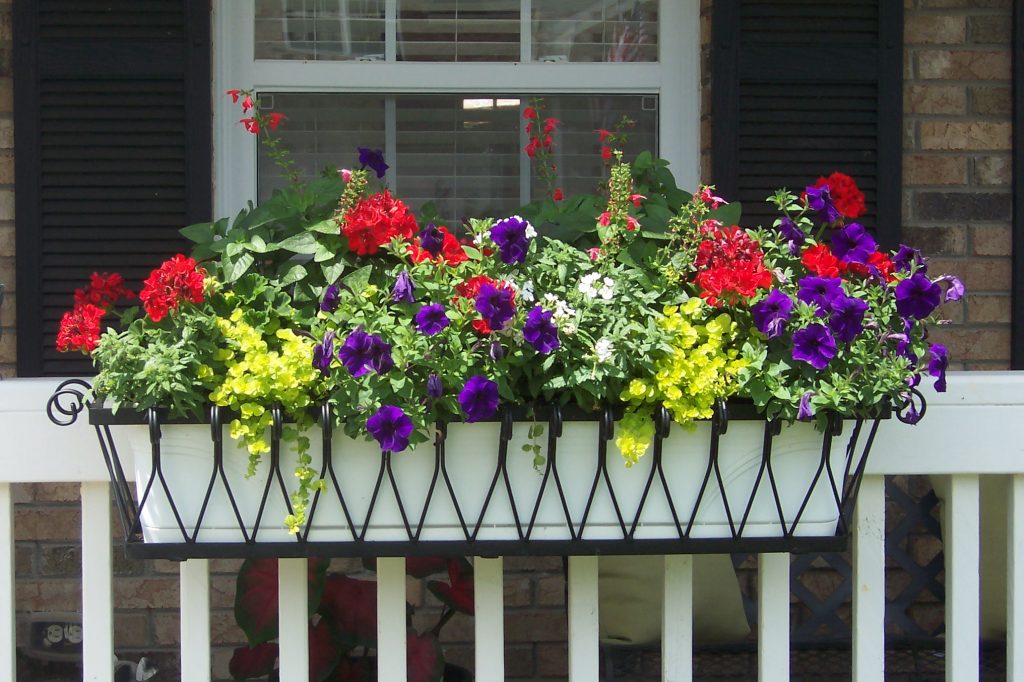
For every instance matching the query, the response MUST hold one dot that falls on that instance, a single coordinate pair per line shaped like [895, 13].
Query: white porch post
[7, 642]
[1015, 580]
[391, 619]
[961, 546]
[584, 645]
[489, 621]
[195, 620]
[293, 618]
[97, 590]
[772, 617]
[869, 582]
[677, 620]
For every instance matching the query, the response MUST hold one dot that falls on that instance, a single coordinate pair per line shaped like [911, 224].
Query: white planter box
[471, 461]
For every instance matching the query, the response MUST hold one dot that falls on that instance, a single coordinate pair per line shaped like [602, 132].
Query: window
[440, 86]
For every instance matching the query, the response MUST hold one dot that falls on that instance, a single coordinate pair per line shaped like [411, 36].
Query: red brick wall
[957, 165]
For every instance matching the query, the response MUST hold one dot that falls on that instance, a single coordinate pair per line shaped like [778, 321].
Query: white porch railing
[977, 428]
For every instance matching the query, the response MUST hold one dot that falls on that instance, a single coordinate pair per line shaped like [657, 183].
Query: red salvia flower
[79, 329]
[175, 280]
[606, 153]
[251, 124]
[550, 124]
[274, 120]
[530, 113]
[846, 196]
[375, 221]
[558, 194]
[730, 266]
[234, 92]
[247, 104]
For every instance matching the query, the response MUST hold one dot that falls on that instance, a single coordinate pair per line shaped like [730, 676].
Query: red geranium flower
[819, 260]
[451, 250]
[730, 265]
[103, 290]
[79, 329]
[846, 196]
[175, 280]
[375, 221]
[558, 194]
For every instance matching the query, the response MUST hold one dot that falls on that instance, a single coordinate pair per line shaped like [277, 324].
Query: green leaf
[294, 274]
[358, 280]
[200, 233]
[332, 271]
[328, 226]
[728, 214]
[304, 242]
[240, 267]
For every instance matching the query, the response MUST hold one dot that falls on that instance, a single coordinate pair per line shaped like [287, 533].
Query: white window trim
[675, 79]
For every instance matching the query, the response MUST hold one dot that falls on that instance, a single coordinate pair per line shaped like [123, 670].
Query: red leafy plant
[343, 621]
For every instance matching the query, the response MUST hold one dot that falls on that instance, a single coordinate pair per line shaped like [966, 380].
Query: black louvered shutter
[802, 88]
[112, 150]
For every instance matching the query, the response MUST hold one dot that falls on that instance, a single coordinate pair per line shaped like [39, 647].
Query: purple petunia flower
[479, 398]
[431, 240]
[820, 291]
[539, 331]
[390, 427]
[772, 313]
[403, 291]
[323, 354]
[331, 300]
[819, 199]
[495, 305]
[512, 235]
[814, 345]
[789, 230]
[374, 158]
[362, 352]
[853, 244]
[805, 411]
[937, 365]
[907, 257]
[435, 389]
[496, 351]
[954, 287]
[431, 319]
[847, 317]
[917, 296]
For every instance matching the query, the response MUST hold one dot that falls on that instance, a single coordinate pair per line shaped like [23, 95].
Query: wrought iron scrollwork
[622, 516]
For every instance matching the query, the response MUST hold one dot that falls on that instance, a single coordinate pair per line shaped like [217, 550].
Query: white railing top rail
[976, 427]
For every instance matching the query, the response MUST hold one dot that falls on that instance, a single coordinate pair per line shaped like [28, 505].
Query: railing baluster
[584, 646]
[489, 619]
[97, 589]
[293, 618]
[772, 617]
[391, 667]
[961, 547]
[869, 582]
[7, 658]
[677, 620]
[195, 620]
[1015, 580]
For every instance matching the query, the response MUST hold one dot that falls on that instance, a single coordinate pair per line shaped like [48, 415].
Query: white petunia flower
[587, 285]
[526, 291]
[603, 350]
[606, 289]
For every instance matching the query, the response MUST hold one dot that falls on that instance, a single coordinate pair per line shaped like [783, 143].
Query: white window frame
[674, 78]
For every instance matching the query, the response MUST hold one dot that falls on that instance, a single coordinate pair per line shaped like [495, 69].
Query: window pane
[320, 131]
[595, 31]
[464, 153]
[320, 29]
[458, 30]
